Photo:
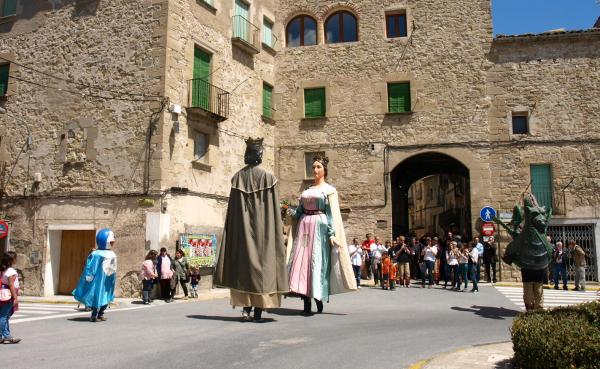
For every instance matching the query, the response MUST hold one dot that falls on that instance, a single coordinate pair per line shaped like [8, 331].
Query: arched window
[341, 27]
[301, 31]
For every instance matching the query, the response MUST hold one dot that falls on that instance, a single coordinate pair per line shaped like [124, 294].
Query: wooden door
[74, 250]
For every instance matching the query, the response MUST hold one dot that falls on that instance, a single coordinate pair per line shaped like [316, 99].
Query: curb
[206, 296]
[420, 364]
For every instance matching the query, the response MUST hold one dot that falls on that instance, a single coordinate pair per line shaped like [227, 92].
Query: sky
[513, 17]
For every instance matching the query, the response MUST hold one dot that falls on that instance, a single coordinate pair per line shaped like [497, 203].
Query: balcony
[269, 41]
[207, 100]
[246, 35]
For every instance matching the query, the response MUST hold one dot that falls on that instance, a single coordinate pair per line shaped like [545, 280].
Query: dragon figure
[529, 248]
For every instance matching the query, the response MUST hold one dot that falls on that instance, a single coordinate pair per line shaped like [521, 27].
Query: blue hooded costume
[96, 286]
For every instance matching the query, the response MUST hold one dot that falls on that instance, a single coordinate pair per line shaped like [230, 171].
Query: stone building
[412, 89]
[137, 113]
[133, 114]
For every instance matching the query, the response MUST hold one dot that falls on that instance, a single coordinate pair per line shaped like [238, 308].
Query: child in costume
[386, 264]
[96, 288]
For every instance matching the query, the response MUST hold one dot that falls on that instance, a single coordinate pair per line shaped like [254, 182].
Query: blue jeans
[462, 271]
[474, 269]
[147, 285]
[5, 313]
[429, 268]
[356, 274]
[98, 312]
[560, 270]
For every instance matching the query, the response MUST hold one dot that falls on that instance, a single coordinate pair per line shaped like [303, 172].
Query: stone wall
[444, 58]
[555, 79]
[87, 149]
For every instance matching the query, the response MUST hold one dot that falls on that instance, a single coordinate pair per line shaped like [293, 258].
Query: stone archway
[451, 174]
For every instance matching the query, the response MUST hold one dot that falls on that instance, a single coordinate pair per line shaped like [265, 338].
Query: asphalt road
[371, 328]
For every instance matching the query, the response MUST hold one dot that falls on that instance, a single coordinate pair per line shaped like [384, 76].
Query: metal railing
[208, 97]
[544, 198]
[245, 31]
[270, 40]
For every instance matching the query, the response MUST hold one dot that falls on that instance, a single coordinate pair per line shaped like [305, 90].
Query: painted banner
[200, 249]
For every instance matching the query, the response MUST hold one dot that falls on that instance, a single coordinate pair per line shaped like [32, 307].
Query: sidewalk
[206, 295]
[490, 356]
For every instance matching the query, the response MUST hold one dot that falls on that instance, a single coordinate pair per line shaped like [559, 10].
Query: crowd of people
[450, 261]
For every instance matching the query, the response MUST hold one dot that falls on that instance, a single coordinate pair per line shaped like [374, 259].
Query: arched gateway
[431, 194]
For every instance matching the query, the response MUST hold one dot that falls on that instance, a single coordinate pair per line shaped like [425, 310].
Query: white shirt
[430, 253]
[9, 273]
[377, 250]
[356, 253]
[475, 255]
[451, 258]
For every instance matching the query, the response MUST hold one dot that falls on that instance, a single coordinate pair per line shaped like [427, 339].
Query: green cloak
[251, 258]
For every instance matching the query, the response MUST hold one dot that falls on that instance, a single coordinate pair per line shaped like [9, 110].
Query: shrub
[565, 337]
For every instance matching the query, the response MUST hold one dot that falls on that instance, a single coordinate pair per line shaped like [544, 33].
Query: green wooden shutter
[399, 97]
[201, 82]
[267, 98]
[268, 33]
[241, 27]
[541, 183]
[314, 102]
[9, 8]
[4, 68]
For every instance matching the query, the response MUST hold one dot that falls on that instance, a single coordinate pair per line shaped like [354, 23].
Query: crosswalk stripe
[35, 312]
[22, 318]
[29, 307]
[552, 298]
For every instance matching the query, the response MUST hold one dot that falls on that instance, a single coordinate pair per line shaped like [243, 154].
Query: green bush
[565, 337]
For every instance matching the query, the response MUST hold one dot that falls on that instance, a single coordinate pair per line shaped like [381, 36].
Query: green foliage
[566, 337]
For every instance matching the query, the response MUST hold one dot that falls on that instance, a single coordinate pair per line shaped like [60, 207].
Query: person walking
[463, 263]
[9, 303]
[404, 259]
[474, 256]
[356, 256]
[559, 256]
[164, 268]
[429, 254]
[452, 263]
[490, 258]
[578, 255]
[148, 276]
[480, 248]
[194, 281]
[181, 268]
[377, 250]
[96, 287]
[366, 246]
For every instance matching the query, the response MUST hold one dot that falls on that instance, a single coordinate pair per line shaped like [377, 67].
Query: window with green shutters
[4, 69]
[201, 82]
[399, 97]
[8, 8]
[267, 101]
[314, 102]
[268, 38]
[541, 183]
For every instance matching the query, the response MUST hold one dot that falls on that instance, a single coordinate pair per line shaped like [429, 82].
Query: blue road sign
[487, 213]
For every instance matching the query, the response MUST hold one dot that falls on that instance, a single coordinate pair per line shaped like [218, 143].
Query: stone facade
[99, 166]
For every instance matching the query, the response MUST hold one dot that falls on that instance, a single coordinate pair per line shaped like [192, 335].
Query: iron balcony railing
[210, 98]
[269, 39]
[544, 198]
[246, 32]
